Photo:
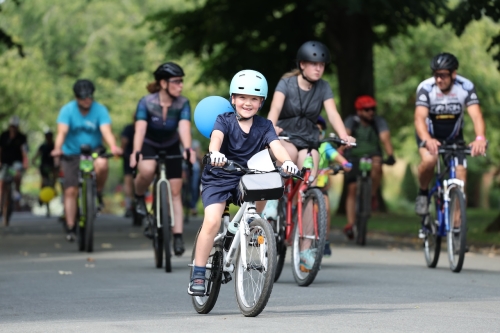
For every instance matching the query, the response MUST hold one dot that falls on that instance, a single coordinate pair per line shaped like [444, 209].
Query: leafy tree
[264, 35]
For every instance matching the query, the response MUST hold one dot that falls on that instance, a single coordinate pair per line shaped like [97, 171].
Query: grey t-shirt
[301, 109]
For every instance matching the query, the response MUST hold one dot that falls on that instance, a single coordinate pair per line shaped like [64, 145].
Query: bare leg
[176, 186]
[461, 173]
[426, 168]
[101, 170]
[350, 203]
[376, 174]
[210, 227]
[70, 205]
[147, 169]
[128, 182]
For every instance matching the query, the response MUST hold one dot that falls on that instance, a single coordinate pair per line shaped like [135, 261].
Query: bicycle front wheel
[213, 278]
[432, 240]
[279, 230]
[89, 215]
[255, 277]
[165, 222]
[308, 247]
[457, 236]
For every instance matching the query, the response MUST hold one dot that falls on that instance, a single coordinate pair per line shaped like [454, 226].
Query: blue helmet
[248, 82]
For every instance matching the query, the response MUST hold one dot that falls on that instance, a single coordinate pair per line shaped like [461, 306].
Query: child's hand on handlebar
[217, 158]
[290, 167]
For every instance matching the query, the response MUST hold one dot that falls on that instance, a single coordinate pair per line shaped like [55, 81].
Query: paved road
[46, 285]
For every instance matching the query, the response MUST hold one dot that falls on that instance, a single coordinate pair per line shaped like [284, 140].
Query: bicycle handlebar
[316, 143]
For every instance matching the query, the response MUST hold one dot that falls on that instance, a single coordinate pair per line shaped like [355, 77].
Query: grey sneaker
[197, 286]
[421, 205]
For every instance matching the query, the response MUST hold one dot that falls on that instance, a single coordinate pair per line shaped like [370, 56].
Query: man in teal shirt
[82, 121]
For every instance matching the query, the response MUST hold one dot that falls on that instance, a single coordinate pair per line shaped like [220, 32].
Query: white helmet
[248, 82]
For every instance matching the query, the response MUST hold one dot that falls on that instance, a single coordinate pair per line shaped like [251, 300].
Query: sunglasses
[369, 109]
[441, 76]
[176, 81]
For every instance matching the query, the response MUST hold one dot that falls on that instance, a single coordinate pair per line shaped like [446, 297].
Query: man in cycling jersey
[82, 121]
[371, 131]
[13, 152]
[439, 113]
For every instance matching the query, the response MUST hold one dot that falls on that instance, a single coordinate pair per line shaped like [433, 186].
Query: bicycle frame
[442, 208]
[290, 189]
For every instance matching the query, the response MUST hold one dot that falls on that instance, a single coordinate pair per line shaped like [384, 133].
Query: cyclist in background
[371, 131]
[163, 122]
[195, 177]
[13, 152]
[47, 168]
[439, 114]
[327, 154]
[127, 145]
[82, 121]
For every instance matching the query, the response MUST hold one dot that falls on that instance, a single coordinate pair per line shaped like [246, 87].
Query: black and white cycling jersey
[446, 111]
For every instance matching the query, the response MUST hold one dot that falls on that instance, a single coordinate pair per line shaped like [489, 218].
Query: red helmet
[365, 102]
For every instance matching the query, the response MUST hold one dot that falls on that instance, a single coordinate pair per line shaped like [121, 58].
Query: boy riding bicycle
[236, 136]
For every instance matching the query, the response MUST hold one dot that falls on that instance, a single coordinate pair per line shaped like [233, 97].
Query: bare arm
[108, 136]
[185, 133]
[276, 107]
[279, 151]
[335, 119]
[216, 141]
[421, 114]
[479, 144]
[62, 131]
[385, 137]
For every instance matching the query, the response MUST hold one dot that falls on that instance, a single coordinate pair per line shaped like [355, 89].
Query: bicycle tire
[279, 230]
[213, 278]
[457, 243]
[80, 220]
[261, 237]
[165, 223]
[89, 215]
[432, 240]
[364, 209]
[305, 277]
[7, 203]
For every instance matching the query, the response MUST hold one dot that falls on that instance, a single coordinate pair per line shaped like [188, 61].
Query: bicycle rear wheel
[213, 278]
[165, 222]
[457, 236]
[308, 250]
[432, 240]
[363, 209]
[89, 214]
[254, 282]
[279, 230]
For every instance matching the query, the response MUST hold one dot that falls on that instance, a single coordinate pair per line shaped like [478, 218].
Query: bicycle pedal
[227, 278]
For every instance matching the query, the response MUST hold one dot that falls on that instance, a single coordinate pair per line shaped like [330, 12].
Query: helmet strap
[305, 77]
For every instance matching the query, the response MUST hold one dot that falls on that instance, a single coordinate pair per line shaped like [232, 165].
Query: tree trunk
[351, 39]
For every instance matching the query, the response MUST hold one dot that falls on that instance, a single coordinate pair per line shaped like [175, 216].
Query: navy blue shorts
[229, 191]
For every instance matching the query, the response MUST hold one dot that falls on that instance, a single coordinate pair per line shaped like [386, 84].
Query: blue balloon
[206, 113]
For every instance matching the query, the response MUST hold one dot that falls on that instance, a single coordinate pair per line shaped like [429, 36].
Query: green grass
[409, 224]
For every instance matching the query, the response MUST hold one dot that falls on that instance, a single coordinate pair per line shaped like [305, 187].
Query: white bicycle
[249, 252]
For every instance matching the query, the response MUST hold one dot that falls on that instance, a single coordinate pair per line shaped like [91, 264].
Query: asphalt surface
[46, 285]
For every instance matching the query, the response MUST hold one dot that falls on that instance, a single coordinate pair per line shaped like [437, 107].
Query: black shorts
[47, 171]
[174, 167]
[127, 170]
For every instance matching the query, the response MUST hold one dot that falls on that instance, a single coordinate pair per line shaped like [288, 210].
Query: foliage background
[110, 43]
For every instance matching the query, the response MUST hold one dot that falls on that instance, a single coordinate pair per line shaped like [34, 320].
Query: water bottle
[231, 231]
[308, 162]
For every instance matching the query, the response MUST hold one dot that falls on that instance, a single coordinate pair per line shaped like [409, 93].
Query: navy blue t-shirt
[238, 145]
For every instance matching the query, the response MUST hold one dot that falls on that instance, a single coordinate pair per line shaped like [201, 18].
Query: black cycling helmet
[444, 61]
[83, 89]
[313, 51]
[168, 70]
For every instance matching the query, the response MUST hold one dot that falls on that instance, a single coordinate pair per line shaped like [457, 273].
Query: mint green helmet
[248, 82]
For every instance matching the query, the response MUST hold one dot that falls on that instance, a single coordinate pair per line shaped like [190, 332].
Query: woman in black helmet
[298, 100]
[163, 122]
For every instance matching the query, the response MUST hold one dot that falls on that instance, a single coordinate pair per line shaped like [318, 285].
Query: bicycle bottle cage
[262, 186]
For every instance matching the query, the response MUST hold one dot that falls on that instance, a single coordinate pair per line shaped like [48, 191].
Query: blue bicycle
[446, 217]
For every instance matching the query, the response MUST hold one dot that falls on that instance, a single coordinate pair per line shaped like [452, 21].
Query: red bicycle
[303, 228]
